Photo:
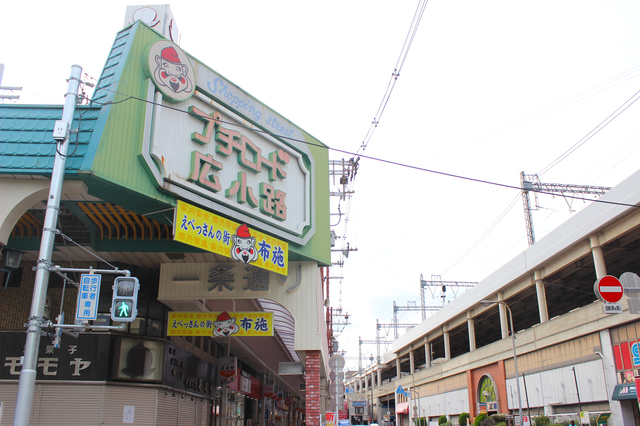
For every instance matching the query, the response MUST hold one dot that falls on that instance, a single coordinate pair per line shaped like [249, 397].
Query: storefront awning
[402, 408]
[625, 391]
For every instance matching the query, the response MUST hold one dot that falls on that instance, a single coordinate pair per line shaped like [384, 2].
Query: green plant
[462, 419]
[448, 423]
[488, 422]
[501, 424]
[442, 420]
[420, 421]
[499, 418]
[542, 421]
[479, 419]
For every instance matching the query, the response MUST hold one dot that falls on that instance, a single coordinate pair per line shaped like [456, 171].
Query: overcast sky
[487, 90]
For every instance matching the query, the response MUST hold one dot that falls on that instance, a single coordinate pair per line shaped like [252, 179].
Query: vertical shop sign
[227, 367]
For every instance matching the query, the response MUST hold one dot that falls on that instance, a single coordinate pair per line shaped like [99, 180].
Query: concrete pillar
[398, 369]
[543, 311]
[472, 331]
[373, 380]
[504, 321]
[379, 374]
[447, 343]
[427, 353]
[312, 385]
[412, 366]
[598, 256]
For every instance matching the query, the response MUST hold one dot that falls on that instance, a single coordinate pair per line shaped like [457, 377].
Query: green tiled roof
[26, 138]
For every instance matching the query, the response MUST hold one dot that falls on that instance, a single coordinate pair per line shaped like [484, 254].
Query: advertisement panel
[83, 359]
[220, 324]
[199, 228]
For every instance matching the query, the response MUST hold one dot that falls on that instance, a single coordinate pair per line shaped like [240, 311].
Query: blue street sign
[88, 295]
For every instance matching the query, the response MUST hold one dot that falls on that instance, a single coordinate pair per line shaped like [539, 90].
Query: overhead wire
[394, 163]
[593, 132]
[404, 52]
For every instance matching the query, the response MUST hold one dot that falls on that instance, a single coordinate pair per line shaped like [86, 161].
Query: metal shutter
[69, 404]
[142, 398]
[167, 408]
[186, 411]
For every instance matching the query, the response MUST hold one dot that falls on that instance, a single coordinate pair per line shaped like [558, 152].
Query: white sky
[489, 89]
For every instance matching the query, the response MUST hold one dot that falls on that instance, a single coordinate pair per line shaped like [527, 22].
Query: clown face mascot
[225, 326]
[171, 72]
[244, 246]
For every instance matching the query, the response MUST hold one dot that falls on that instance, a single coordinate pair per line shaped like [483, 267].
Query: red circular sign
[609, 289]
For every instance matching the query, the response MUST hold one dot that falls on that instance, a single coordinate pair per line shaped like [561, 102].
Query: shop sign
[228, 367]
[199, 228]
[280, 404]
[246, 384]
[330, 419]
[635, 354]
[83, 359]
[210, 155]
[268, 391]
[343, 415]
[185, 371]
[138, 359]
[220, 324]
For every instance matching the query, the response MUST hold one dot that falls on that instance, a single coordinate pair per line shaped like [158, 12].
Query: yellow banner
[199, 228]
[220, 324]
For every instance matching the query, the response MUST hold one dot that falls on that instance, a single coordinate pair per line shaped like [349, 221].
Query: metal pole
[26, 384]
[515, 358]
[578, 392]
[526, 395]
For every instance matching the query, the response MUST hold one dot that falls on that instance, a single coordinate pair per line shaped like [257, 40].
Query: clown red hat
[243, 231]
[223, 317]
[170, 54]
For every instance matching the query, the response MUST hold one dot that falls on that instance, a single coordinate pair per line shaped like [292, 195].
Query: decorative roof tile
[26, 138]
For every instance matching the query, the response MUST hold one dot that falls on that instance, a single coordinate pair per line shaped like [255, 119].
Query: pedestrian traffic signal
[125, 299]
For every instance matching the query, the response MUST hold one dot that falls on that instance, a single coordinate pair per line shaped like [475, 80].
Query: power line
[404, 52]
[593, 132]
[395, 163]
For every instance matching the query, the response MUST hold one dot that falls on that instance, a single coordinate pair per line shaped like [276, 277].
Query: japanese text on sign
[199, 228]
[224, 324]
[88, 294]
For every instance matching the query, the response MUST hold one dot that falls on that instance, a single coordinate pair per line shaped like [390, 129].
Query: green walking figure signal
[125, 299]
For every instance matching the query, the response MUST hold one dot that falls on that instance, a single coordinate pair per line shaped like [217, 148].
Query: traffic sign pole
[27, 381]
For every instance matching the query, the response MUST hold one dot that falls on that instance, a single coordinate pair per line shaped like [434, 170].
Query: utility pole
[413, 307]
[532, 183]
[436, 281]
[395, 326]
[26, 384]
[376, 342]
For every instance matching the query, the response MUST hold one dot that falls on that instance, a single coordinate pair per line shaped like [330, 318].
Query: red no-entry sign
[609, 289]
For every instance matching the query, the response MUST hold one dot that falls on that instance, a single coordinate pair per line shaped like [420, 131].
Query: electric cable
[395, 163]
[404, 52]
